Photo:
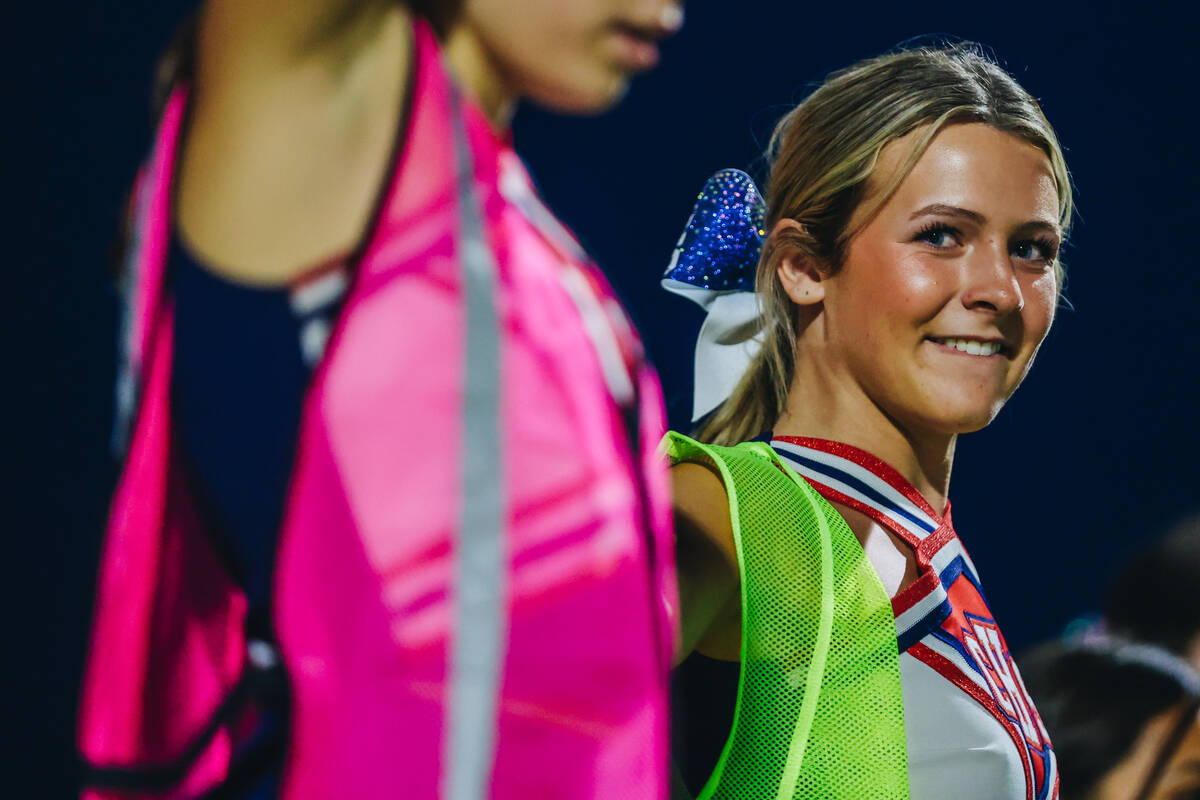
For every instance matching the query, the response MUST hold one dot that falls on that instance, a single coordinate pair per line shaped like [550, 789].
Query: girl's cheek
[1041, 301]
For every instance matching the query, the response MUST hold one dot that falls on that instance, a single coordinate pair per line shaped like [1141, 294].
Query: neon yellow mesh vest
[819, 709]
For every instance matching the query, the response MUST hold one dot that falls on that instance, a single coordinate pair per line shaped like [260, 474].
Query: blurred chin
[584, 92]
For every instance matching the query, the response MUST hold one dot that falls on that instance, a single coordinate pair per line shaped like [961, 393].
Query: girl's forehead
[971, 166]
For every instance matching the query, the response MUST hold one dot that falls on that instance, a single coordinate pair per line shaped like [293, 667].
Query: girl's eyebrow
[1040, 225]
[943, 210]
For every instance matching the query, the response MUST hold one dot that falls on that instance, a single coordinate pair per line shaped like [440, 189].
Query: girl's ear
[798, 271]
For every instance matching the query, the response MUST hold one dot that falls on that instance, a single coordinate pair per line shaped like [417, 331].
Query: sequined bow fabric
[714, 265]
[720, 245]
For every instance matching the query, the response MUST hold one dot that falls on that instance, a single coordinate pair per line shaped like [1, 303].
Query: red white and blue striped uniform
[971, 728]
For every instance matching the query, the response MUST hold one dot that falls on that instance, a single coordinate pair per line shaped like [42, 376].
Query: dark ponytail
[1095, 699]
[1154, 598]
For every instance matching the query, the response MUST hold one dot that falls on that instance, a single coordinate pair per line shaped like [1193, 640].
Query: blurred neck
[480, 75]
[824, 404]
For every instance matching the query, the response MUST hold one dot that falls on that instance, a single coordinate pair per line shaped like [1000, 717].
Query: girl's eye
[1035, 250]
[938, 235]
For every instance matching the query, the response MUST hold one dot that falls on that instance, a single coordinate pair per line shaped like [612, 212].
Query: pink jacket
[425, 659]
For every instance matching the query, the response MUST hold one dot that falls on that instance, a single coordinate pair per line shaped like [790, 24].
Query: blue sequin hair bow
[714, 265]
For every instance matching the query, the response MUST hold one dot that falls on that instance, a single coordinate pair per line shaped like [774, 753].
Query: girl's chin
[588, 91]
[967, 418]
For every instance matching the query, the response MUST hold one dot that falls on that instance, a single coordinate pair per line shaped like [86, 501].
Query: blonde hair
[822, 155]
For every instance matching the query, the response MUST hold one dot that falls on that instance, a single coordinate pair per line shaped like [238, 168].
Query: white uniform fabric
[971, 728]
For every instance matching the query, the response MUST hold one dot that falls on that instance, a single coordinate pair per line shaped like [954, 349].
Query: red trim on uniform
[927, 579]
[944, 667]
[833, 495]
[931, 544]
[864, 459]
[915, 592]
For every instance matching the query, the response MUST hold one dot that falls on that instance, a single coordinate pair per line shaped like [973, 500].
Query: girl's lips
[638, 38]
[636, 47]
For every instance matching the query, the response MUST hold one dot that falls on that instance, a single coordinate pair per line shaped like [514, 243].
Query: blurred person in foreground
[390, 522]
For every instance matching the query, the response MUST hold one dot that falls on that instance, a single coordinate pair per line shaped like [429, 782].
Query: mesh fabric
[819, 710]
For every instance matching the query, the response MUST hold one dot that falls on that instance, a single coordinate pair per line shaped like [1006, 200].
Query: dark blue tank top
[243, 357]
[238, 381]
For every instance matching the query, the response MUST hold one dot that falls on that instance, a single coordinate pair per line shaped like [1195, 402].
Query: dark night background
[1094, 456]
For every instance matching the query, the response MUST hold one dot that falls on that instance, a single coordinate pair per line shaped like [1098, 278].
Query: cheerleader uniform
[970, 726]
[845, 692]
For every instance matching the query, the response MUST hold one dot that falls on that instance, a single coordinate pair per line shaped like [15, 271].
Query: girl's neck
[821, 407]
[481, 77]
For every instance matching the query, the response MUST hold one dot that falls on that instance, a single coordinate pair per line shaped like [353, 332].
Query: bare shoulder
[706, 558]
[701, 503]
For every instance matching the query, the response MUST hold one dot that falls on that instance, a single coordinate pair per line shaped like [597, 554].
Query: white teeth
[971, 346]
